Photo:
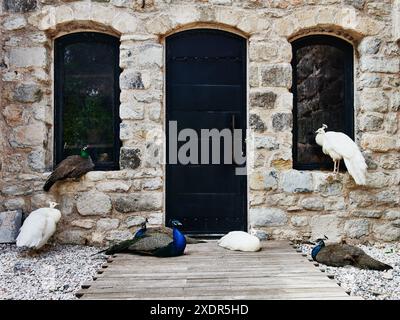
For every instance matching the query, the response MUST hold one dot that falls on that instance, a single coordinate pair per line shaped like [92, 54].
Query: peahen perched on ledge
[73, 166]
[340, 255]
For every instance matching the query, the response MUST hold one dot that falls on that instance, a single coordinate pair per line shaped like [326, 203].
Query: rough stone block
[380, 64]
[118, 235]
[299, 221]
[138, 202]
[388, 197]
[369, 45]
[130, 158]
[156, 218]
[356, 228]
[14, 204]
[297, 181]
[392, 214]
[326, 186]
[282, 121]
[374, 100]
[113, 186]
[386, 232]
[278, 75]
[256, 123]
[131, 80]
[134, 221]
[122, 3]
[41, 200]
[252, 23]
[83, 223]
[28, 93]
[93, 203]
[107, 224]
[256, 181]
[10, 222]
[371, 122]
[20, 189]
[271, 179]
[266, 142]
[313, 204]
[29, 135]
[262, 52]
[28, 57]
[328, 225]
[151, 54]
[154, 112]
[379, 143]
[263, 99]
[20, 5]
[72, 237]
[378, 179]
[159, 24]
[37, 160]
[14, 22]
[152, 184]
[268, 217]
[131, 111]
[367, 213]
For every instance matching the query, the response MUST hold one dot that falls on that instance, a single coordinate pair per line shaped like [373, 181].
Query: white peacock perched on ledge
[339, 146]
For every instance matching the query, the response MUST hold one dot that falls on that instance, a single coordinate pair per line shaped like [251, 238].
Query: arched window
[322, 93]
[86, 73]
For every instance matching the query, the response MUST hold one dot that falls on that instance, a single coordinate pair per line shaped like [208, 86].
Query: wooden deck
[207, 271]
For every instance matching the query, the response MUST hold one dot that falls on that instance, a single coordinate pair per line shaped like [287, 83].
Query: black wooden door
[206, 89]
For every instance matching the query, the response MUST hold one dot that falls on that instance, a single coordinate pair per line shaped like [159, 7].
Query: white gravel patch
[369, 284]
[57, 273]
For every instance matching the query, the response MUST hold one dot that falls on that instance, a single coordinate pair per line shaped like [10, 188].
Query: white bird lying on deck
[339, 146]
[38, 227]
[240, 240]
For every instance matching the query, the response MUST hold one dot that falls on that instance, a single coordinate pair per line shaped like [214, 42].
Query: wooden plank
[262, 282]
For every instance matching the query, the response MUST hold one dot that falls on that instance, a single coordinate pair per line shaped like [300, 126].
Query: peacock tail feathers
[357, 168]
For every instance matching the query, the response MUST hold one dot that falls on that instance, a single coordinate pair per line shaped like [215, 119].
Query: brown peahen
[340, 255]
[73, 166]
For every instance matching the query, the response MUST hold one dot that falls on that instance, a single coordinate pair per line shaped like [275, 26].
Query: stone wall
[284, 202]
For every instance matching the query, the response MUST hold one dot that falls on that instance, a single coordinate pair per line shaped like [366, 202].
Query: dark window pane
[87, 78]
[320, 97]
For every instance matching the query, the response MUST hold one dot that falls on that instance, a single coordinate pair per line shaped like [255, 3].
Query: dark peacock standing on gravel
[340, 255]
[73, 166]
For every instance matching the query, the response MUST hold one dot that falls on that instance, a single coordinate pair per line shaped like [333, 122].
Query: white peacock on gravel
[339, 146]
[38, 227]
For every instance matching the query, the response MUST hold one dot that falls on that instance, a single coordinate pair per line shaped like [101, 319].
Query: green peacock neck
[84, 154]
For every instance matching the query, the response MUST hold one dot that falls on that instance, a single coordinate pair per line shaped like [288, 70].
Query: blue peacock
[153, 243]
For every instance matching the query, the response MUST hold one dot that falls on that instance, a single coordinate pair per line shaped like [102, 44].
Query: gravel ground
[369, 284]
[56, 273]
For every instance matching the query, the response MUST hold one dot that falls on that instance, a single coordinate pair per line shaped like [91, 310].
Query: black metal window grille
[322, 94]
[86, 96]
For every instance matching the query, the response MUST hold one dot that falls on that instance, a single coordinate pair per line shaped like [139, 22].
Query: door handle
[233, 127]
[233, 123]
